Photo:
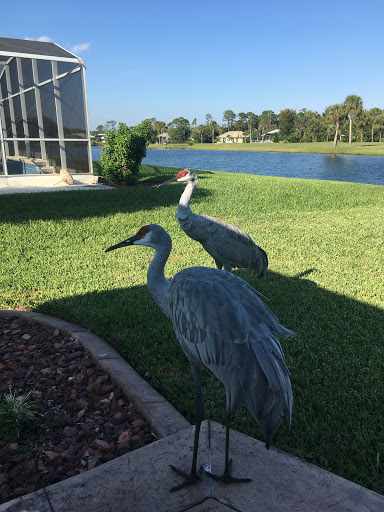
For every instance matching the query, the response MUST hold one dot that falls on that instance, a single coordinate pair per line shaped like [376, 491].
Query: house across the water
[163, 138]
[232, 137]
[266, 137]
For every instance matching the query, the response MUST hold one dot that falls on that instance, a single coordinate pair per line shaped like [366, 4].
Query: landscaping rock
[83, 419]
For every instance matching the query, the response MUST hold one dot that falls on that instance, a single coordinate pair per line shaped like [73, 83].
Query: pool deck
[48, 183]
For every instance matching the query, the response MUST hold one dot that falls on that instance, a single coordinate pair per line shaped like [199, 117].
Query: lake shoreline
[323, 148]
[329, 167]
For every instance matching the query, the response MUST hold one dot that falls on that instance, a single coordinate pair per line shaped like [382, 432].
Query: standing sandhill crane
[228, 245]
[222, 325]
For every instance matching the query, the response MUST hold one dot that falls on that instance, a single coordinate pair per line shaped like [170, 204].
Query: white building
[163, 138]
[232, 137]
[266, 137]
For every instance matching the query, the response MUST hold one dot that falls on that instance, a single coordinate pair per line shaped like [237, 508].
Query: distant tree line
[348, 121]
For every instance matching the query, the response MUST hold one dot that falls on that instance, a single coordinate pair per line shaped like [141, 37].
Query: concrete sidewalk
[140, 480]
[48, 183]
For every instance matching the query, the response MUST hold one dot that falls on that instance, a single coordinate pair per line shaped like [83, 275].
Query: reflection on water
[344, 168]
[353, 168]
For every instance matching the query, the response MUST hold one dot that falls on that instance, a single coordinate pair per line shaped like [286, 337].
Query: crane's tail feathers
[255, 308]
[262, 266]
[273, 326]
[259, 264]
[283, 332]
[268, 410]
[270, 397]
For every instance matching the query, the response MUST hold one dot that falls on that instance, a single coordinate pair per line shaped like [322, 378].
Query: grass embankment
[357, 148]
[325, 245]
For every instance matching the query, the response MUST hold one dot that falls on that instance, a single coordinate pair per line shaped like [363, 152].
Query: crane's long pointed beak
[166, 182]
[124, 243]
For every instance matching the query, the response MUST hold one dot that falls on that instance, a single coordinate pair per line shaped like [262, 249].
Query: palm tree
[252, 123]
[313, 123]
[229, 117]
[361, 120]
[335, 114]
[379, 123]
[267, 121]
[159, 127]
[353, 104]
[241, 123]
[209, 120]
[214, 127]
[372, 114]
[200, 130]
[329, 128]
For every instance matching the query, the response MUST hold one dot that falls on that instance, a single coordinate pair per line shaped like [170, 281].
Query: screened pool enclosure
[43, 110]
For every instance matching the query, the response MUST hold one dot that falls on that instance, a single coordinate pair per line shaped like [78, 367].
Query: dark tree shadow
[336, 363]
[21, 208]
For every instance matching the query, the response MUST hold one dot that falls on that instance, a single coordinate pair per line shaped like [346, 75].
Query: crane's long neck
[158, 284]
[184, 208]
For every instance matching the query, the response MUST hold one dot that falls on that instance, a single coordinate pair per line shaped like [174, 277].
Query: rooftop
[26, 48]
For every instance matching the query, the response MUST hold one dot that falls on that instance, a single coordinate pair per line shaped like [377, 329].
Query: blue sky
[167, 59]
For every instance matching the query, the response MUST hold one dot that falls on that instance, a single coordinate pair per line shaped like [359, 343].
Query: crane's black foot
[189, 478]
[227, 478]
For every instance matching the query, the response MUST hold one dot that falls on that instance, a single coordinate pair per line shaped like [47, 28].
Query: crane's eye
[142, 232]
[183, 173]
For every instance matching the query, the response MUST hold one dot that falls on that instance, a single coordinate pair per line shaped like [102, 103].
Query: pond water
[353, 168]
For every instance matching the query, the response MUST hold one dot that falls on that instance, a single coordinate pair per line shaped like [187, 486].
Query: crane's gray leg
[193, 476]
[226, 477]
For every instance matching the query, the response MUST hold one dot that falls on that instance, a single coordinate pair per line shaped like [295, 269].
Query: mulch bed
[83, 419]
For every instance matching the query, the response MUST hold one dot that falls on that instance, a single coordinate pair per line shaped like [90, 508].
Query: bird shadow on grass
[336, 363]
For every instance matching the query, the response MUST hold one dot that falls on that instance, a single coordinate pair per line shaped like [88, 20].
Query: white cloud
[78, 48]
[43, 39]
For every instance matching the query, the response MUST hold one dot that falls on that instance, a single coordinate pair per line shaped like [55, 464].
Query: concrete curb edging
[160, 414]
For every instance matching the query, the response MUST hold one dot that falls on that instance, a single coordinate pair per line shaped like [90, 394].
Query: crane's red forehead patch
[182, 173]
[142, 232]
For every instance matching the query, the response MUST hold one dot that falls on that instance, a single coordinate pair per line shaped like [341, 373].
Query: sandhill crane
[222, 325]
[228, 245]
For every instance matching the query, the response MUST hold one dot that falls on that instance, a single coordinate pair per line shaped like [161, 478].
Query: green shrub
[16, 414]
[123, 152]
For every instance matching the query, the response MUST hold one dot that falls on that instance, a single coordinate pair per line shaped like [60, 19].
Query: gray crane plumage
[228, 245]
[224, 326]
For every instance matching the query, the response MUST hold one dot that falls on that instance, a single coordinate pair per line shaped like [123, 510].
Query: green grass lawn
[325, 246]
[357, 148]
